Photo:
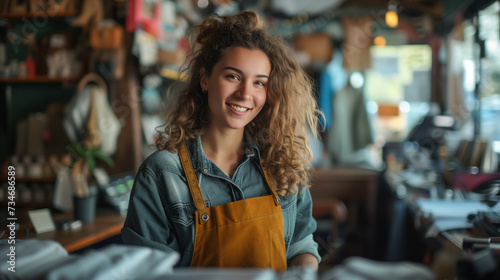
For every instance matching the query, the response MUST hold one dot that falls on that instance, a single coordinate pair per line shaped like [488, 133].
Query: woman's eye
[260, 83]
[233, 77]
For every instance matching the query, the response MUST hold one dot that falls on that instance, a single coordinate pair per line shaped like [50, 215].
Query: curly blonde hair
[280, 129]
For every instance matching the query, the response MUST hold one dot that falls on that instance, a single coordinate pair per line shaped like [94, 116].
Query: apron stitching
[225, 225]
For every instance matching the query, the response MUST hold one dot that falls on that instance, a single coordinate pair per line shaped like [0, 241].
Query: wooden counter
[357, 188]
[106, 224]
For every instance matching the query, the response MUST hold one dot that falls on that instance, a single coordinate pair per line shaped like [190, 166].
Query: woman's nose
[245, 91]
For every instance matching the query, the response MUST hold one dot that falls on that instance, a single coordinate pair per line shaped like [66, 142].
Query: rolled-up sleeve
[146, 223]
[305, 225]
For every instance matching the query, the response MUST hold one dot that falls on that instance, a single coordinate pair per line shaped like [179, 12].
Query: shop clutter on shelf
[29, 50]
[40, 6]
[34, 179]
[56, 39]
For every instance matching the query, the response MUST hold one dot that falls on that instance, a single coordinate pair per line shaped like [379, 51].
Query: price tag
[42, 220]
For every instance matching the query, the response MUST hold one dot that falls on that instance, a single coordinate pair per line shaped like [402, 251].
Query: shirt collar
[251, 149]
[200, 160]
[198, 157]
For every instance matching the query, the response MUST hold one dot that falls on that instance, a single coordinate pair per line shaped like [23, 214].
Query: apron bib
[243, 233]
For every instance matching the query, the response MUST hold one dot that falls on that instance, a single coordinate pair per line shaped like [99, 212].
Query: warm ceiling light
[391, 19]
[379, 41]
[391, 16]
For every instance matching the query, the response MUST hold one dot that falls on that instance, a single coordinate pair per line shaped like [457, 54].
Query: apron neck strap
[194, 186]
[270, 184]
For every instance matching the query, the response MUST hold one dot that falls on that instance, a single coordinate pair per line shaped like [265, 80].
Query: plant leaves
[91, 162]
[90, 155]
[104, 157]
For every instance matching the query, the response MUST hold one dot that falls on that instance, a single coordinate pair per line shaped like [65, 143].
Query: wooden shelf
[32, 180]
[37, 79]
[32, 204]
[38, 14]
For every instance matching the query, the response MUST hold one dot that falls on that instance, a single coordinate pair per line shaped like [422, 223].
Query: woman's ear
[203, 80]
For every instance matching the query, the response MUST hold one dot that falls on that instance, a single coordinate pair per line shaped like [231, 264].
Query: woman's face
[237, 87]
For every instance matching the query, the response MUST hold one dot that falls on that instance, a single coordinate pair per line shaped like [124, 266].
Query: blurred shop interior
[410, 91]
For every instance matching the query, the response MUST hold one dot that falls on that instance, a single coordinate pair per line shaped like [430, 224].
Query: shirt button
[278, 200]
[205, 170]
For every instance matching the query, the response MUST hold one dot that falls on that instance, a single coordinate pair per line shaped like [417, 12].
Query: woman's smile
[239, 110]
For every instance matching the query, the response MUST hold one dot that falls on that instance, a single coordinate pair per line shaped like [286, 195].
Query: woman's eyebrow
[241, 72]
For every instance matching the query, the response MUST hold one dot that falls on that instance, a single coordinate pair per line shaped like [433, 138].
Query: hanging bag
[107, 35]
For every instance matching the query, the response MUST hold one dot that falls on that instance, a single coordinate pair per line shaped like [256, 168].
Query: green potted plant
[82, 168]
[90, 156]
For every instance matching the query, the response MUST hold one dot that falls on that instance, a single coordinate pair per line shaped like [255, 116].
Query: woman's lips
[238, 110]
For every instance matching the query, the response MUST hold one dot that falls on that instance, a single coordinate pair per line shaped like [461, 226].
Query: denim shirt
[161, 210]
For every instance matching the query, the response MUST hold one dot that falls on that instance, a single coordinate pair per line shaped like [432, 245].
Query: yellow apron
[243, 233]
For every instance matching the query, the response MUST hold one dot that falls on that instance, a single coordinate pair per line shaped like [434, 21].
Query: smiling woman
[236, 90]
[229, 184]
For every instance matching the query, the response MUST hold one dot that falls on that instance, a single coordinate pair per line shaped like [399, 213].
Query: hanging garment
[243, 233]
[90, 114]
[333, 78]
[350, 128]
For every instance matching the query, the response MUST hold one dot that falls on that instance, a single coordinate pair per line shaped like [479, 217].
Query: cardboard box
[318, 46]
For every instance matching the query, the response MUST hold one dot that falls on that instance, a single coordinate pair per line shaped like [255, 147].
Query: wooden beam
[433, 8]
[436, 9]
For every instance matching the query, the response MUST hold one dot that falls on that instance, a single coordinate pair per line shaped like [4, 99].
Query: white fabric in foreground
[116, 262]
[31, 257]
[47, 260]
[357, 268]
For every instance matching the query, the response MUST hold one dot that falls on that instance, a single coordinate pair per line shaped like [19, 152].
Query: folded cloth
[116, 262]
[357, 268]
[48, 260]
[31, 256]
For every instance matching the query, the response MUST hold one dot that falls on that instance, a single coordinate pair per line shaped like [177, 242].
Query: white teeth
[238, 108]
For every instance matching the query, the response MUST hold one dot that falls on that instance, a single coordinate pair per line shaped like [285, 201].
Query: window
[398, 88]
[467, 68]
